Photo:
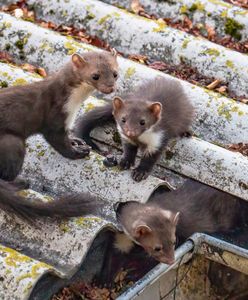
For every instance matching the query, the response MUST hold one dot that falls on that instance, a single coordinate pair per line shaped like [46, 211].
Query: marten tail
[97, 117]
[67, 206]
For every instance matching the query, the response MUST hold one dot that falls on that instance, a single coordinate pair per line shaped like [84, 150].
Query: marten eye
[95, 76]
[158, 248]
[123, 120]
[142, 122]
[115, 74]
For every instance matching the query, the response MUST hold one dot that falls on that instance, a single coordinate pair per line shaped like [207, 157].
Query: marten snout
[167, 260]
[130, 133]
[107, 89]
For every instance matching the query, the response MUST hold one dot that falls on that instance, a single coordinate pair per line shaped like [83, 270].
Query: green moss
[221, 3]
[161, 26]
[64, 226]
[116, 137]
[230, 64]
[104, 19]
[7, 47]
[224, 111]
[185, 43]
[3, 84]
[87, 222]
[184, 10]
[169, 154]
[21, 43]
[41, 153]
[7, 24]
[232, 27]
[212, 52]
[197, 6]
[19, 81]
[70, 48]
[130, 72]
[224, 13]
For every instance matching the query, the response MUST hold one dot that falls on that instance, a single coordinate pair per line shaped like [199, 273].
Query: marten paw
[139, 174]
[80, 148]
[125, 164]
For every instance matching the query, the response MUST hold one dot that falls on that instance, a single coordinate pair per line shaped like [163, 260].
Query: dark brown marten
[146, 119]
[49, 107]
[194, 207]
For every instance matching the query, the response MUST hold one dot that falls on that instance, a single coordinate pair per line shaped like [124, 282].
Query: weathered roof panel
[218, 119]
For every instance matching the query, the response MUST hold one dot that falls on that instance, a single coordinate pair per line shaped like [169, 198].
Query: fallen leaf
[239, 147]
[4, 56]
[42, 72]
[29, 68]
[18, 13]
[158, 65]
[244, 101]
[137, 57]
[222, 89]
[136, 7]
[213, 84]
[211, 32]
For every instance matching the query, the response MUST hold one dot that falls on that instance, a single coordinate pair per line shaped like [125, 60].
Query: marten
[194, 207]
[49, 107]
[146, 119]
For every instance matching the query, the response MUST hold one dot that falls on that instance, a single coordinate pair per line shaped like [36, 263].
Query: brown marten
[49, 107]
[194, 207]
[146, 119]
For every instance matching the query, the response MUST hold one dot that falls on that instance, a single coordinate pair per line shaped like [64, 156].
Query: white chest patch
[72, 106]
[152, 140]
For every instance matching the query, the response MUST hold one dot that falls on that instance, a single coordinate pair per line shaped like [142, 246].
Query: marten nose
[130, 133]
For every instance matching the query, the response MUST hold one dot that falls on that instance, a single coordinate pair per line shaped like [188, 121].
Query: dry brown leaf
[28, 67]
[222, 89]
[187, 22]
[136, 7]
[244, 101]
[240, 147]
[158, 65]
[42, 72]
[4, 56]
[137, 57]
[211, 32]
[213, 84]
[18, 13]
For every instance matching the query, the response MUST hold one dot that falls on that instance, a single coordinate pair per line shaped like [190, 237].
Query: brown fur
[147, 118]
[200, 209]
[44, 107]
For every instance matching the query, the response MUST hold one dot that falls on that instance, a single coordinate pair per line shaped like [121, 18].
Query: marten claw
[125, 164]
[138, 174]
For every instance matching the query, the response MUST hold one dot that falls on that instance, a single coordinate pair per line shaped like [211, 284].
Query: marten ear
[156, 108]
[78, 61]
[113, 52]
[118, 103]
[141, 230]
[175, 218]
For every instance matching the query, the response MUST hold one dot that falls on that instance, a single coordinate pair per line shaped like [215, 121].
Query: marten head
[98, 69]
[151, 227]
[135, 117]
